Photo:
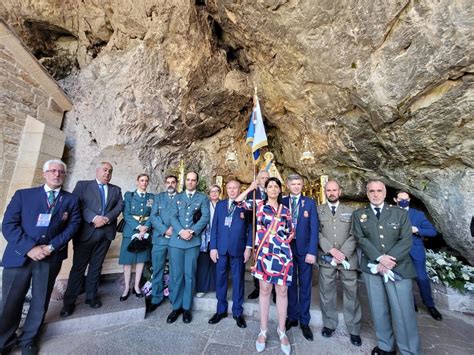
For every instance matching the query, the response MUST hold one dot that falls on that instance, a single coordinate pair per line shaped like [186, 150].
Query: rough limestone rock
[381, 89]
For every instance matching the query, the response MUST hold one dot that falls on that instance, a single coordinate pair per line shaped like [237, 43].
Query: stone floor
[100, 334]
[154, 336]
[119, 328]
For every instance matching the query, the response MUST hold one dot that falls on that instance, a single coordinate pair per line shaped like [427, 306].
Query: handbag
[138, 245]
[197, 216]
[120, 226]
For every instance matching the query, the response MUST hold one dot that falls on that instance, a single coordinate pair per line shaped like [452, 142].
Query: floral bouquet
[451, 272]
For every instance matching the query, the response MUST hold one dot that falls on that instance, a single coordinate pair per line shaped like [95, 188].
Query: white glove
[136, 235]
[386, 277]
[346, 264]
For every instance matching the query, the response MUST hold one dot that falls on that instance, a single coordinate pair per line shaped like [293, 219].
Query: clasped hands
[186, 234]
[338, 257]
[100, 221]
[39, 252]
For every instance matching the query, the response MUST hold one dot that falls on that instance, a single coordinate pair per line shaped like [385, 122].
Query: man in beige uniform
[336, 242]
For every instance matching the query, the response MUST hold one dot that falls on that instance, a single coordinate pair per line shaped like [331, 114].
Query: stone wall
[31, 113]
[381, 89]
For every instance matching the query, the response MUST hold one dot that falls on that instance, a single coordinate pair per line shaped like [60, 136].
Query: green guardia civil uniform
[161, 214]
[184, 253]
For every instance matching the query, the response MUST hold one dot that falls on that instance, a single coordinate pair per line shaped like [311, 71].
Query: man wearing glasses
[38, 224]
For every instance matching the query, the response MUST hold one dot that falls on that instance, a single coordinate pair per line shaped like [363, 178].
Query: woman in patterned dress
[136, 212]
[274, 265]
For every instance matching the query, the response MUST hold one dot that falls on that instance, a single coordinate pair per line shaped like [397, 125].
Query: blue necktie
[102, 197]
[333, 208]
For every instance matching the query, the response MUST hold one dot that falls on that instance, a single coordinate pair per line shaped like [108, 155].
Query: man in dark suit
[231, 244]
[101, 205]
[383, 233]
[260, 194]
[38, 224]
[304, 248]
[420, 228]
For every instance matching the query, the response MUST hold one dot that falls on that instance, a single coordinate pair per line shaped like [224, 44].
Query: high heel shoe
[124, 298]
[261, 346]
[137, 294]
[285, 348]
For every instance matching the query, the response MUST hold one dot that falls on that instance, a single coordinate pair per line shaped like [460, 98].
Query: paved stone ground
[153, 335]
[100, 333]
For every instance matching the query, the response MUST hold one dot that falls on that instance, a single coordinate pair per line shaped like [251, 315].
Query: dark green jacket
[390, 235]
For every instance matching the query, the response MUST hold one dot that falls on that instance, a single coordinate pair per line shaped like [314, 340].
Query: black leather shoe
[356, 340]
[217, 317]
[377, 351]
[327, 332]
[67, 310]
[187, 316]
[30, 349]
[435, 313]
[124, 298]
[290, 323]
[240, 321]
[138, 294]
[253, 295]
[307, 332]
[94, 303]
[174, 315]
[152, 307]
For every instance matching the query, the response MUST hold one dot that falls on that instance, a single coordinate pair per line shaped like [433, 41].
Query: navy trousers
[299, 293]
[237, 269]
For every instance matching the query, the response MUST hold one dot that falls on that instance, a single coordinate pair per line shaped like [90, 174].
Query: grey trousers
[328, 299]
[393, 301]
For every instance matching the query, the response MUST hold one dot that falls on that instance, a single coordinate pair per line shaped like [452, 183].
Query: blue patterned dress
[275, 231]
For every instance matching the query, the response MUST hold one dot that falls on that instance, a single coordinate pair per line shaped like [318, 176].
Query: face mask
[404, 203]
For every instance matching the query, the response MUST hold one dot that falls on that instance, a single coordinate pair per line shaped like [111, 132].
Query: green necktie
[294, 208]
[51, 200]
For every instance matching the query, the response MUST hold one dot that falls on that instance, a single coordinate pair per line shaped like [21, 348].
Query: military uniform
[335, 232]
[160, 217]
[390, 234]
[184, 253]
[136, 212]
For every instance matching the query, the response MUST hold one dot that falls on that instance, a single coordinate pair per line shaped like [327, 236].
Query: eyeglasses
[54, 171]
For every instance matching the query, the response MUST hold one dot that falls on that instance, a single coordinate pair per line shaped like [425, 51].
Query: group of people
[208, 240]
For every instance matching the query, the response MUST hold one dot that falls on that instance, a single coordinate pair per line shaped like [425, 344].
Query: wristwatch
[50, 248]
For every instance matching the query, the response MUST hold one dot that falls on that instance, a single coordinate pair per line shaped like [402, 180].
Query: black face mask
[403, 203]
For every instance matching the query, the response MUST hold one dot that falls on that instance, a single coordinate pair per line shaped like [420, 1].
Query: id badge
[228, 221]
[43, 220]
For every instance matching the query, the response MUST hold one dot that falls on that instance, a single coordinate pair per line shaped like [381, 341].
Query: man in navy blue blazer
[231, 244]
[421, 228]
[38, 224]
[304, 248]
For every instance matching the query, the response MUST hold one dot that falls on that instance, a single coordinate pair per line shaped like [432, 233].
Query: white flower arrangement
[448, 270]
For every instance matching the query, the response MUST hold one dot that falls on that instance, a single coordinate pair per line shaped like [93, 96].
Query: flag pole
[254, 233]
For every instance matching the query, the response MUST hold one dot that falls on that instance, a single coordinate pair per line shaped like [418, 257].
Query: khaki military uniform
[335, 232]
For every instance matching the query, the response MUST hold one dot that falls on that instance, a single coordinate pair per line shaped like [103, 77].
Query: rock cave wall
[381, 89]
